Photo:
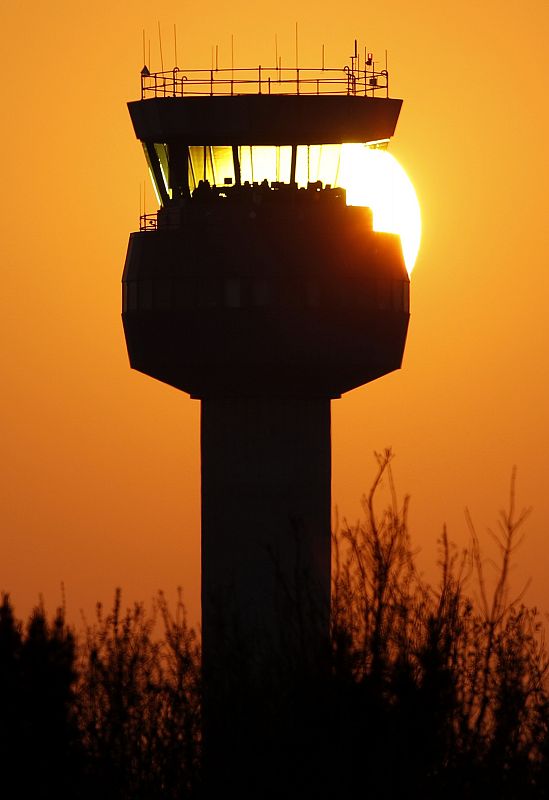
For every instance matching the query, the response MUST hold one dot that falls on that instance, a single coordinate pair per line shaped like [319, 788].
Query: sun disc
[373, 177]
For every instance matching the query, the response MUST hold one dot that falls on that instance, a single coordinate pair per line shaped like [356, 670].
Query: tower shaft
[265, 574]
[266, 527]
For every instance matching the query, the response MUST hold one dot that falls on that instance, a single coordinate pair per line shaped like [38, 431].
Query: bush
[40, 747]
[138, 703]
[449, 695]
[427, 692]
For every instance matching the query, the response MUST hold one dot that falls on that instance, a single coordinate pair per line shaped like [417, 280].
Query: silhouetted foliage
[40, 747]
[429, 691]
[138, 703]
[455, 690]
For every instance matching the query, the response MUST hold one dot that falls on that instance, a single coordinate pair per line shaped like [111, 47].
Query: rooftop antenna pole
[144, 62]
[217, 57]
[175, 42]
[149, 64]
[160, 43]
[276, 50]
[296, 48]
[322, 57]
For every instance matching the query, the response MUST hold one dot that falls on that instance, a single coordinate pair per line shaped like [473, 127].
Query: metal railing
[263, 80]
[148, 222]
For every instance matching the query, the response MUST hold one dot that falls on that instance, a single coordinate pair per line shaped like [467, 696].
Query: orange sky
[100, 480]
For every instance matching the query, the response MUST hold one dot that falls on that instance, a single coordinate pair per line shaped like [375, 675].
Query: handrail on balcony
[367, 82]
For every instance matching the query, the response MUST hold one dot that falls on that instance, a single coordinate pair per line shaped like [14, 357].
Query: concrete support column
[266, 540]
[266, 522]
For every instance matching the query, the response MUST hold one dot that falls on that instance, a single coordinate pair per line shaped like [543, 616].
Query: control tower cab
[255, 278]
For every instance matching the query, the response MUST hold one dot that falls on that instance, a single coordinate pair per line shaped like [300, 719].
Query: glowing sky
[100, 465]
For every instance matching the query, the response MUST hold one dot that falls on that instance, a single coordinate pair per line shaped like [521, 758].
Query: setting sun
[374, 178]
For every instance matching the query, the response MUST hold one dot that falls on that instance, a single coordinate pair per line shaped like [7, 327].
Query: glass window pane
[185, 292]
[264, 163]
[284, 163]
[383, 294]
[145, 294]
[261, 292]
[246, 164]
[163, 293]
[302, 166]
[328, 164]
[232, 293]
[223, 166]
[132, 295]
[202, 167]
[162, 153]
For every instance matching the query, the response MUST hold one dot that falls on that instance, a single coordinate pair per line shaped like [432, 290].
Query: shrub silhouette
[430, 690]
[454, 691]
[138, 703]
[40, 748]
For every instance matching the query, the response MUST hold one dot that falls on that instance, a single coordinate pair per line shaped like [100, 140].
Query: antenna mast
[160, 43]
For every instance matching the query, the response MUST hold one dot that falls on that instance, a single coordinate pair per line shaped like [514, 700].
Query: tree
[451, 693]
[39, 741]
[138, 703]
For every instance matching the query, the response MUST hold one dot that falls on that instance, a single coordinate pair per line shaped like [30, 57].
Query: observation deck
[265, 106]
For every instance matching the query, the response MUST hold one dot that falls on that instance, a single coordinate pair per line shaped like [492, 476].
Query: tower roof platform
[265, 106]
[265, 119]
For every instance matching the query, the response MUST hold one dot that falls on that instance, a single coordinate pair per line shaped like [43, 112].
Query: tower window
[233, 295]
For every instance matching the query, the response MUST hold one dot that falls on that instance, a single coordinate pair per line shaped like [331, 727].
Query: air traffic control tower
[257, 290]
